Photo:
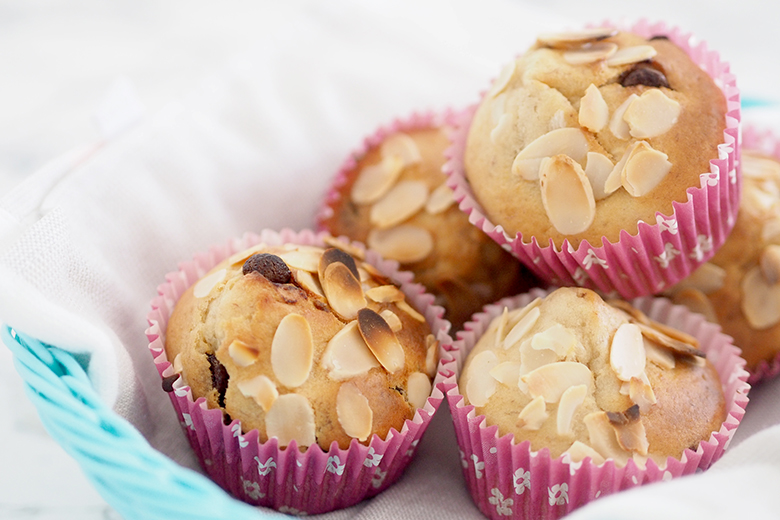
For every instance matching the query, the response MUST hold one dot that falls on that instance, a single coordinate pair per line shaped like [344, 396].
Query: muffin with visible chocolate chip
[393, 197]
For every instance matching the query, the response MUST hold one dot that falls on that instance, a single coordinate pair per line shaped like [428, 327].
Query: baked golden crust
[226, 337]
[545, 92]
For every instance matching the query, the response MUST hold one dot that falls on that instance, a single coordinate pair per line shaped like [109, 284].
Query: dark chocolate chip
[659, 37]
[647, 76]
[167, 382]
[219, 377]
[270, 266]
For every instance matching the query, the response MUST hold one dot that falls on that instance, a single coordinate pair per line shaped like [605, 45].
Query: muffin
[301, 367]
[559, 398]
[739, 288]
[393, 197]
[604, 148]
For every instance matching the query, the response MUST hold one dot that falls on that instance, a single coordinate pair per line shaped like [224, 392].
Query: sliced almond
[615, 179]
[261, 389]
[653, 114]
[431, 354]
[550, 381]
[402, 201]
[347, 247]
[501, 82]
[405, 243]
[572, 38]
[347, 354]
[759, 167]
[500, 324]
[707, 278]
[645, 169]
[770, 263]
[291, 418]
[418, 389]
[557, 338]
[385, 294]
[497, 109]
[480, 385]
[590, 54]
[411, 311]
[308, 281]
[580, 451]
[343, 291]
[242, 353]
[204, 286]
[292, 351]
[630, 430]
[392, 319]
[594, 112]
[558, 120]
[522, 327]
[660, 356]
[531, 358]
[374, 273]
[679, 345]
[241, 256]
[597, 170]
[563, 141]
[381, 340]
[571, 399]
[375, 180]
[305, 260]
[533, 415]
[757, 202]
[628, 55]
[696, 301]
[617, 125]
[502, 127]
[760, 300]
[402, 146]
[354, 412]
[335, 255]
[566, 195]
[440, 200]
[641, 392]
[177, 365]
[506, 373]
[627, 352]
[603, 438]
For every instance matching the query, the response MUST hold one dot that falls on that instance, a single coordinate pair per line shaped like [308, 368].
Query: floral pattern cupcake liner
[506, 479]
[288, 479]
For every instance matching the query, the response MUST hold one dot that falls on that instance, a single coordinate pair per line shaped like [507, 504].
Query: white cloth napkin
[85, 242]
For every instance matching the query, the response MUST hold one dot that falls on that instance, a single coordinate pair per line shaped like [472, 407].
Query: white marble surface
[60, 58]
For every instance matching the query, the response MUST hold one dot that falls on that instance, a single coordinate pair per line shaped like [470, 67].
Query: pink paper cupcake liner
[287, 479]
[662, 252]
[510, 480]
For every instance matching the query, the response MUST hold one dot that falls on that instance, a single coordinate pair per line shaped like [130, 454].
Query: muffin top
[576, 375]
[396, 201]
[587, 134]
[303, 343]
[739, 288]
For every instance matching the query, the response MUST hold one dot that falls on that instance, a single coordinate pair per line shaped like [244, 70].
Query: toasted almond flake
[533, 415]
[506, 373]
[375, 273]
[590, 54]
[594, 112]
[641, 392]
[291, 418]
[760, 300]
[500, 324]
[375, 180]
[628, 55]
[381, 340]
[242, 353]
[177, 366]
[292, 350]
[653, 114]
[630, 430]
[347, 354]
[343, 290]
[758, 203]
[261, 389]
[305, 260]
[615, 179]
[679, 345]
[385, 294]
[758, 167]
[241, 256]
[405, 243]
[550, 381]
[522, 327]
[531, 358]
[645, 169]
[580, 451]
[354, 412]
[480, 385]
[558, 120]
[346, 246]
[566, 195]
[707, 278]
[563, 141]
[660, 356]
[627, 352]
[204, 286]
[334, 255]
[411, 311]
[571, 399]
[501, 82]
[402, 146]
[597, 170]
[440, 200]
[603, 438]
[392, 319]
[307, 280]
[572, 38]
[618, 125]
[557, 338]
[696, 301]
[402, 201]
[431, 354]
[418, 389]
[770, 263]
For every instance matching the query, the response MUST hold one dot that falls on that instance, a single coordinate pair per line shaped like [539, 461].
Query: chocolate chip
[644, 75]
[219, 377]
[659, 37]
[270, 266]
[167, 382]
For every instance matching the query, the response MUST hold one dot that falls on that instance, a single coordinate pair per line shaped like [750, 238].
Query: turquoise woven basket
[135, 479]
